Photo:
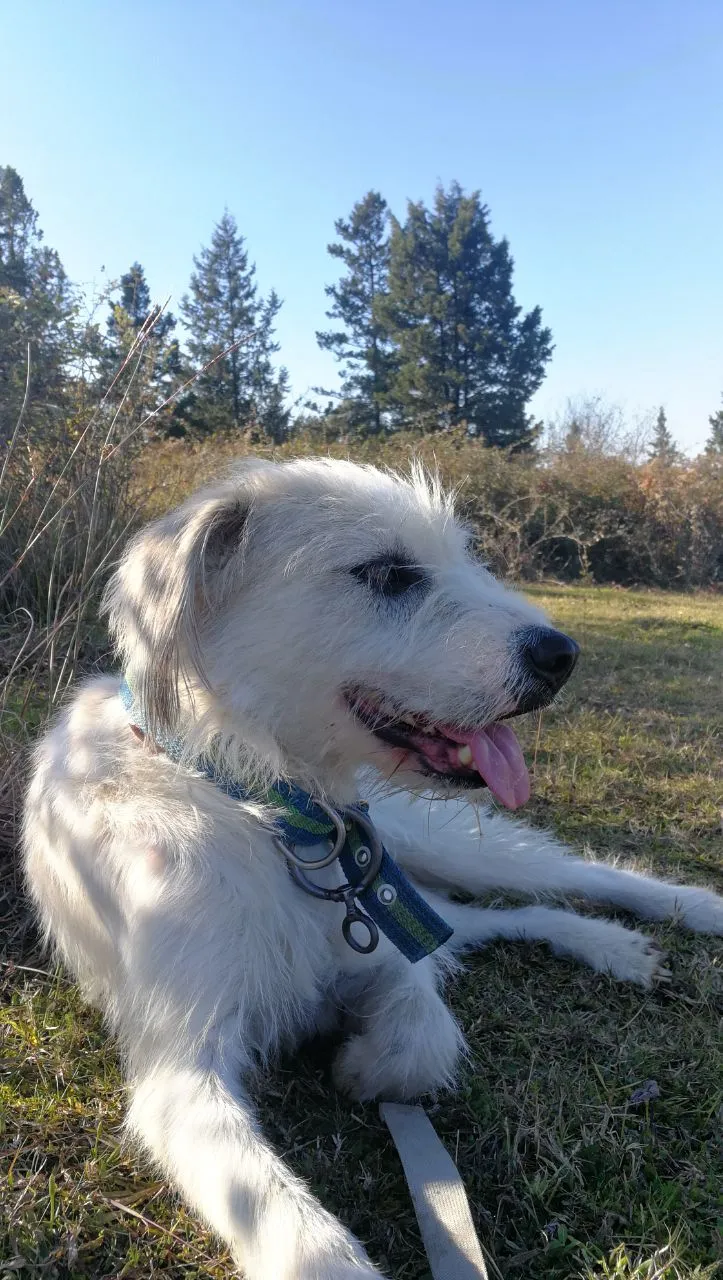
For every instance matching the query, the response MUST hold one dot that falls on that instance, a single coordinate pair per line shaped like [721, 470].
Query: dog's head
[316, 616]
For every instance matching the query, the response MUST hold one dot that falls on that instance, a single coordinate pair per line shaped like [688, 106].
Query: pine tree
[662, 446]
[134, 301]
[465, 354]
[361, 346]
[273, 414]
[714, 445]
[36, 312]
[155, 362]
[223, 313]
[269, 389]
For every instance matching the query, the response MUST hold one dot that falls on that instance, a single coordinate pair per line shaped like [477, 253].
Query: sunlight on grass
[568, 1176]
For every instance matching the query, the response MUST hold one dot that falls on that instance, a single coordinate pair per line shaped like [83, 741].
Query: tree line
[55, 361]
[425, 330]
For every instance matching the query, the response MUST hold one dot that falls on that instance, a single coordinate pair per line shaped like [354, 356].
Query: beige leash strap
[438, 1194]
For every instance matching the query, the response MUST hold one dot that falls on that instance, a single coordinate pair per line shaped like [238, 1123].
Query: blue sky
[593, 128]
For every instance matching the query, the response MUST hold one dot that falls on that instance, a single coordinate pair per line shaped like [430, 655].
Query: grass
[568, 1177]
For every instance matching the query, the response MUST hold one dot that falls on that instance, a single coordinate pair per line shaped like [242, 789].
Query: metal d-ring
[317, 864]
[340, 819]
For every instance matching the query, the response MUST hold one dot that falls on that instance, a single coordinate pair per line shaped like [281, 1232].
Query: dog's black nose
[549, 656]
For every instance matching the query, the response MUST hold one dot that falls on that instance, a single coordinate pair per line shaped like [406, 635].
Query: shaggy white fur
[248, 622]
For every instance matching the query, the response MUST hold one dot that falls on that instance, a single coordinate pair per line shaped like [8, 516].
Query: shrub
[575, 514]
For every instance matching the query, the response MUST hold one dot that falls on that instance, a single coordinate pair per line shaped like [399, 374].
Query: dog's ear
[176, 569]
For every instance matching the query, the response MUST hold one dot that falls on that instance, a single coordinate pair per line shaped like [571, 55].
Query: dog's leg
[510, 856]
[200, 988]
[408, 1041]
[601, 944]
[194, 1119]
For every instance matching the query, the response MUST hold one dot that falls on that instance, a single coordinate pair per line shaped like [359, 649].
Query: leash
[376, 893]
[438, 1195]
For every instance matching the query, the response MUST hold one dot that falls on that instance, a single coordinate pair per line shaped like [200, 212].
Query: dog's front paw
[364, 1068]
[699, 909]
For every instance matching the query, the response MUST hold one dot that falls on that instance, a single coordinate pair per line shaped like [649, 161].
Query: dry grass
[567, 1176]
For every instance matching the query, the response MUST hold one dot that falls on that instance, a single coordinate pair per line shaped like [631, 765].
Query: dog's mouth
[487, 756]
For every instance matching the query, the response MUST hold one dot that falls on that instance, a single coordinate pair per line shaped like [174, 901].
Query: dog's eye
[387, 578]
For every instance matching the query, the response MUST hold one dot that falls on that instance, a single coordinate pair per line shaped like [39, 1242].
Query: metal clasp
[347, 892]
[355, 915]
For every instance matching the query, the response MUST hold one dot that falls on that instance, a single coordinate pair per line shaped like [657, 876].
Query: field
[568, 1176]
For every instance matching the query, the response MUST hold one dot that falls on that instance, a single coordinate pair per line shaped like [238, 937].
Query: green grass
[567, 1177]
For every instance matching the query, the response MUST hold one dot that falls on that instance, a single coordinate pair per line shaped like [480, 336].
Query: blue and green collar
[376, 894]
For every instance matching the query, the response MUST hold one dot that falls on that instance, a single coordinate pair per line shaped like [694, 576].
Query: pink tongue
[498, 758]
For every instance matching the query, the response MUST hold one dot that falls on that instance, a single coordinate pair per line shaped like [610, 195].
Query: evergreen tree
[223, 313]
[273, 415]
[36, 312]
[464, 352]
[361, 345]
[156, 361]
[714, 445]
[662, 446]
[269, 389]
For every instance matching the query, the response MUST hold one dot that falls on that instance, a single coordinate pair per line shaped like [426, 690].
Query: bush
[67, 504]
[573, 513]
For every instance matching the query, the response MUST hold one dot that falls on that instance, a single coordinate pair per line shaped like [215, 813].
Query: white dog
[317, 622]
